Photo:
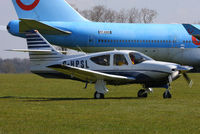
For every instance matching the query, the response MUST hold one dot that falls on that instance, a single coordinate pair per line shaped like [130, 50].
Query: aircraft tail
[192, 30]
[46, 10]
[42, 54]
[39, 48]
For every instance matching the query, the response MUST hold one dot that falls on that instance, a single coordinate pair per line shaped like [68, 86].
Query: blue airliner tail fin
[46, 10]
[192, 30]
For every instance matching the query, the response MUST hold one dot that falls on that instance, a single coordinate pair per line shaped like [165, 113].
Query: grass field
[33, 105]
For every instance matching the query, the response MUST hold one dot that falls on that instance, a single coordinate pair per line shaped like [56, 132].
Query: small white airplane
[111, 67]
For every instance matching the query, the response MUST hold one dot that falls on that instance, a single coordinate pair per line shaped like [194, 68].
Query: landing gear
[98, 95]
[142, 93]
[101, 89]
[167, 94]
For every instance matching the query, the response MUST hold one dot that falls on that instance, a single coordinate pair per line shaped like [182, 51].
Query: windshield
[137, 58]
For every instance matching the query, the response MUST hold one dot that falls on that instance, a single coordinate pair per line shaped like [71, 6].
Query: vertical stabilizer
[46, 10]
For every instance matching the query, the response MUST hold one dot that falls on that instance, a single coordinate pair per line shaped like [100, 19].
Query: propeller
[3, 28]
[183, 70]
[187, 78]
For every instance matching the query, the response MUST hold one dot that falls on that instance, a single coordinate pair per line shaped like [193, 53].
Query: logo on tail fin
[190, 31]
[27, 7]
[195, 41]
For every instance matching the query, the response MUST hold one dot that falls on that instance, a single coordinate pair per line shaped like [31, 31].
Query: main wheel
[142, 93]
[167, 95]
[98, 95]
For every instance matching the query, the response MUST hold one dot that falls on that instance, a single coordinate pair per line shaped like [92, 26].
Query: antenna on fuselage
[80, 49]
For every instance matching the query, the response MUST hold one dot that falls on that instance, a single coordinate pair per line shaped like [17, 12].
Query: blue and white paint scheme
[61, 25]
[117, 67]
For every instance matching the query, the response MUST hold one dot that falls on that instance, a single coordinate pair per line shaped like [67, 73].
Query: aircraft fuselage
[166, 42]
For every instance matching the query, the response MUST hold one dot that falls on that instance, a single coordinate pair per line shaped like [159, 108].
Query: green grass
[33, 105]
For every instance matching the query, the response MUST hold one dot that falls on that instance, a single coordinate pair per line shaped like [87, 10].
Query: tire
[142, 93]
[98, 95]
[167, 95]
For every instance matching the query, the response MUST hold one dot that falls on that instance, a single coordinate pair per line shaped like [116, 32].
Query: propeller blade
[3, 28]
[187, 78]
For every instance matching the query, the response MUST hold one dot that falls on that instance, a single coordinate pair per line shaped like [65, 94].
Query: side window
[137, 58]
[119, 60]
[103, 60]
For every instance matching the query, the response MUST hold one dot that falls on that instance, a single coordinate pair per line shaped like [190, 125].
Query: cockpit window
[137, 58]
[119, 60]
[103, 60]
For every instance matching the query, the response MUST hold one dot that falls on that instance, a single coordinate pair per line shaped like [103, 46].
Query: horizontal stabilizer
[29, 50]
[89, 75]
[192, 30]
[28, 25]
[36, 51]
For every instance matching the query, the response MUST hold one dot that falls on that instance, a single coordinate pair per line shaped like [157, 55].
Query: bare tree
[102, 14]
[147, 15]
[96, 14]
[109, 15]
[133, 15]
[86, 14]
[121, 16]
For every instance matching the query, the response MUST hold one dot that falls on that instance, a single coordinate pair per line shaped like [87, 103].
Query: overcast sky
[169, 11]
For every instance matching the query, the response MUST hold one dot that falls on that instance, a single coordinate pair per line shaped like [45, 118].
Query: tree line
[14, 65]
[102, 14]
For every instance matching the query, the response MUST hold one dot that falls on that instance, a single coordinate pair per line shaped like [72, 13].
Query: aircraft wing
[28, 24]
[89, 75]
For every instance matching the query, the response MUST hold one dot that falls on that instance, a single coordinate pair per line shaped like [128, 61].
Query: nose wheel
[98, 95]
[101, 89]
[167, 94]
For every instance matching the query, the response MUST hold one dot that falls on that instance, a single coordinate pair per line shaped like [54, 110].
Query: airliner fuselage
[167, 42]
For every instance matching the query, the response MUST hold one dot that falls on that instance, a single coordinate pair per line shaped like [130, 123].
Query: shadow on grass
[63, 99]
